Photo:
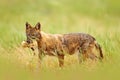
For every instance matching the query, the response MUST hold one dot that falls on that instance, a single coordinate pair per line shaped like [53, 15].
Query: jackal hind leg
[87, 52]
[61, 59]
[91, 53]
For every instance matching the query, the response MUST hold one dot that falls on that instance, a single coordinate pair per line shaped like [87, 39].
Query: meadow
[100, 18]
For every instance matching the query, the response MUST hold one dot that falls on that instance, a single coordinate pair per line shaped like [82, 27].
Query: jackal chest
[50, 49]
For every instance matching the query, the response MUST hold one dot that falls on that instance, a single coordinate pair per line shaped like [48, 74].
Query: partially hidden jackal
[61, 44]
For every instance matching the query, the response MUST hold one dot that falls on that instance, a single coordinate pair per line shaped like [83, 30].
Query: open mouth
[29, 41]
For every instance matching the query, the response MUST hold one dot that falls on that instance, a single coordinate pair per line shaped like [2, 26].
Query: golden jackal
[60, 44]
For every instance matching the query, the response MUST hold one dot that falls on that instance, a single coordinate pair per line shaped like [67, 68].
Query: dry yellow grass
[25, 58]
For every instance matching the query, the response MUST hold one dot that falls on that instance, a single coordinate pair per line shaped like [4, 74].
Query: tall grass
[99, 18]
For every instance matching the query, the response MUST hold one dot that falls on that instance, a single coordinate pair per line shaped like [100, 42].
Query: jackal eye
[28, 41]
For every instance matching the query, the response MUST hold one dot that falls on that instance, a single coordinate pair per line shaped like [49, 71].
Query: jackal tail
[98, 47]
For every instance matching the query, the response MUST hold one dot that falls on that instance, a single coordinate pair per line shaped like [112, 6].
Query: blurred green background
[100, 18]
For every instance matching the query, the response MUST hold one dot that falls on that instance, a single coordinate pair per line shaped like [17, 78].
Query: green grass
[99, 18]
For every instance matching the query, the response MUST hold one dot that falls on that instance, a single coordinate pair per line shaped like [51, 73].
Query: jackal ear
[27, 25]
[38, 26]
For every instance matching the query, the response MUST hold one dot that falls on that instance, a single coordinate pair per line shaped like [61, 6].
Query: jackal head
[33, 33]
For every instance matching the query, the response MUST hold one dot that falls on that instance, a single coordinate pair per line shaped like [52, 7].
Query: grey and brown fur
[60, 44]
